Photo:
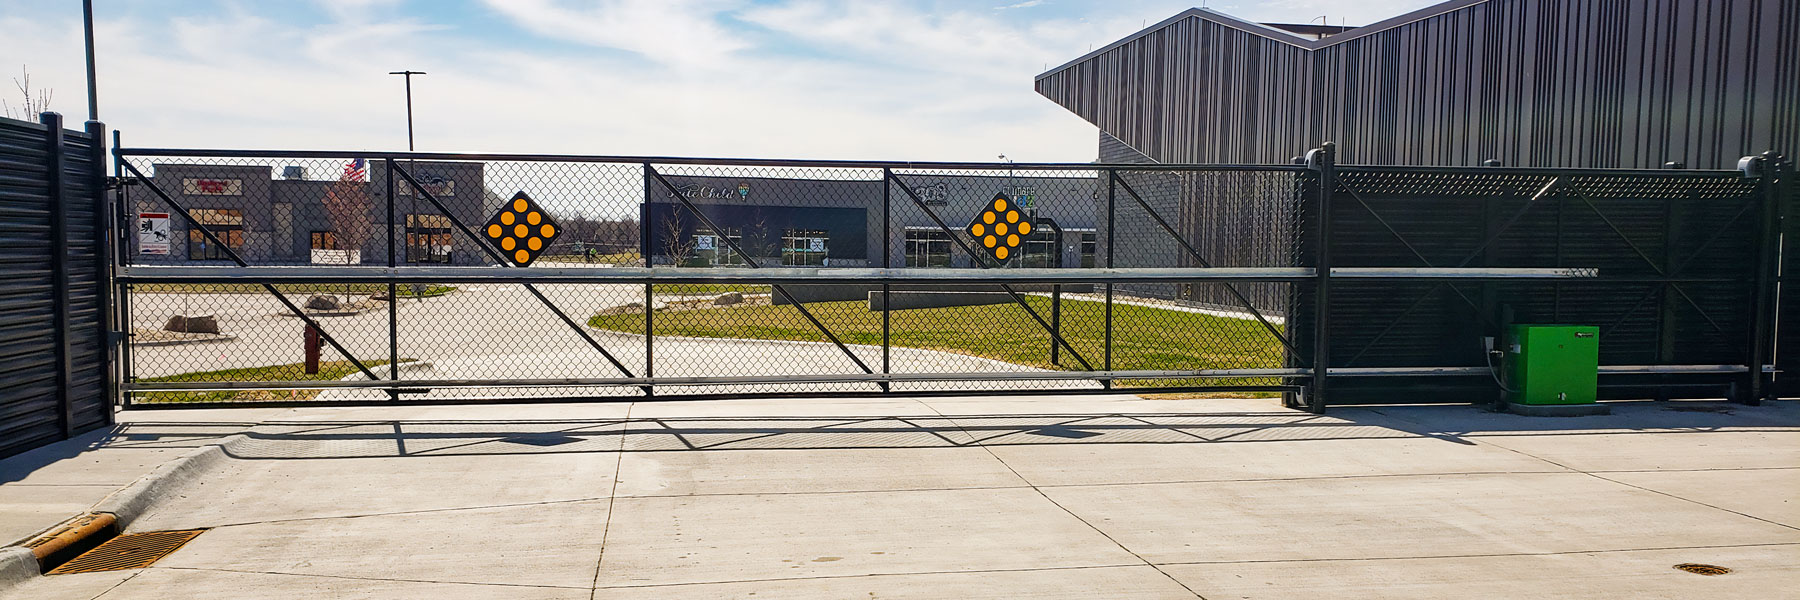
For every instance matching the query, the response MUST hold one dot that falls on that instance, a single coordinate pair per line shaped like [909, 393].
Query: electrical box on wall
[1553, 364]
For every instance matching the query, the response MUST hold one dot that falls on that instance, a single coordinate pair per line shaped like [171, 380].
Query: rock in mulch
[323, 303]
[192, 324]
[728, 299]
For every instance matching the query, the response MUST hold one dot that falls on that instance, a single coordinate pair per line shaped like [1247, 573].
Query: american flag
[356, 170]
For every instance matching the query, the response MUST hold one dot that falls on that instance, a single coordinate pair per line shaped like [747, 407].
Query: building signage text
[194, 186]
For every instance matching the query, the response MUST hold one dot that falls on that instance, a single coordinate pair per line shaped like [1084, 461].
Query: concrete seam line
[136, 499]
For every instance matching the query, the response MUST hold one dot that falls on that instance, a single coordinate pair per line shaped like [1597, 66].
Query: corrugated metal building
[1548, 83]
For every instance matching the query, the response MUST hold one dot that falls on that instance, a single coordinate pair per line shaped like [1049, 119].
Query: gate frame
[1320, 164]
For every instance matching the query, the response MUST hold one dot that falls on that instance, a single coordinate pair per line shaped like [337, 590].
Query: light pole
[413, 201]
[1011, 188]
[409, 121]
[87, 22]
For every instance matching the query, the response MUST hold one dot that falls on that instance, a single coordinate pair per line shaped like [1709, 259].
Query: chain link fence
[960, 319]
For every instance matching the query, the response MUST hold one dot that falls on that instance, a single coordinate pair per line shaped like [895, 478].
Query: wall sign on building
[196, 186]
[153, 233]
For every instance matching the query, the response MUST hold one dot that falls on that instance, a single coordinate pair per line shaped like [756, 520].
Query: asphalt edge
[19, 564]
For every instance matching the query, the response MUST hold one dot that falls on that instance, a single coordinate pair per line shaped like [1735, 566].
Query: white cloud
[678, 32]
[803, 79]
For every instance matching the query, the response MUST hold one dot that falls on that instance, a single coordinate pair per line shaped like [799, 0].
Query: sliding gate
[273, 277]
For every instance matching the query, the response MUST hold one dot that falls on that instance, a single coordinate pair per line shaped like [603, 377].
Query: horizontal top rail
[683, 160]
[337, 274]
[1547, 171]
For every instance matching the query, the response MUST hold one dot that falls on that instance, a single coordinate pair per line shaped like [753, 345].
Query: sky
[848, 79]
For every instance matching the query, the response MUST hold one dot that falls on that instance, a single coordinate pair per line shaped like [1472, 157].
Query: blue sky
[904, 80]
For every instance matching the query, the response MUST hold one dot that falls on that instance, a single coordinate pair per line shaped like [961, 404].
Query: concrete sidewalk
[1036, 497]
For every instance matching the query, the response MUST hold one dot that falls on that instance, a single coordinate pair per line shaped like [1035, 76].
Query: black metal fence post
[1112, 236]
[649, 292]
[1762, 337]
[59, 268]
[887, 262]
[392, 290]
[122, 212]
[104, 230]
[1324, 160]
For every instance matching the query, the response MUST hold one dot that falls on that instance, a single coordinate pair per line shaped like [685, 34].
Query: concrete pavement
[1018, 497]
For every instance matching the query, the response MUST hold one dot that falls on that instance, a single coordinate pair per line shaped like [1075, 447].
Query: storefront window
[1089, 245]
[927, 249]
[712, 250]
[324, 240]
[1042, 250]
[225, 224]
[428, 239]
[804, 247]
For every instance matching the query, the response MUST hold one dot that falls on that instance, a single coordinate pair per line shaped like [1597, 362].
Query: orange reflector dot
[506, 218]
[1000, 253]
[1000, 228]
[978, 229]
[548, 230]
[535, 244]
[999, 204]
[508, 244]
[495, 231]
[1012, 240]
[520, 205]
[522, 257]
[521, 230]
[1012, 216]
[1025, 227]
[534, 217]
[987, 217]
[989, 241]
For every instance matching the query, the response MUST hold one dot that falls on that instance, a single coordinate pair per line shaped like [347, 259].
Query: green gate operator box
[1553, 364]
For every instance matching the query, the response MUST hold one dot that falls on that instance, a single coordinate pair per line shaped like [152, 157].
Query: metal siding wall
[1551, 83]
[31, 409]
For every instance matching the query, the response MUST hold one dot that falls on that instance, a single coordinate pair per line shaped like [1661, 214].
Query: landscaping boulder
[323, 303]
[192, 324]
[728, 299]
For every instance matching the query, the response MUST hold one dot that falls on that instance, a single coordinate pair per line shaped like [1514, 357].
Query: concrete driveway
[1019, 497]
[494, 331]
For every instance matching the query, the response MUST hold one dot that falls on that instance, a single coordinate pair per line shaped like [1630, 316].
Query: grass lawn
[405, 290]
[328, 371]
[701, 289]
[1144, 338]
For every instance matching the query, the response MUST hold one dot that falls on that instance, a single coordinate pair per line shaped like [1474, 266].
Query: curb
[20, 563]
[135, 499]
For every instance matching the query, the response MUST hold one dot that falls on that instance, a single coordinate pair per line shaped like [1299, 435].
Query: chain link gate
[309, 278]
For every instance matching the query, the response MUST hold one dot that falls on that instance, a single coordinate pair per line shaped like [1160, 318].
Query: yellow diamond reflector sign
[1000, 228]
[521, 230]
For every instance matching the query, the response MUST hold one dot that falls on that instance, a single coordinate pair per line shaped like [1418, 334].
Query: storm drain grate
[1700, 569]
[128, 551]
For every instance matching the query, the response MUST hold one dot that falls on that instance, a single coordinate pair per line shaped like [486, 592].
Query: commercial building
[287, 218]
[840, 223]
[1540, 83]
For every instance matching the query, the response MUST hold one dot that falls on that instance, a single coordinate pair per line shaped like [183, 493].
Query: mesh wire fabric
[529, 340]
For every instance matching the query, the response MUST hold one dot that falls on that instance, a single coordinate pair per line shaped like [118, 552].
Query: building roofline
[1273, 33]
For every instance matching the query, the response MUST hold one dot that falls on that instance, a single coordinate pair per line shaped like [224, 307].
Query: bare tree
[347, 205]
[34, 103]
[679, 250]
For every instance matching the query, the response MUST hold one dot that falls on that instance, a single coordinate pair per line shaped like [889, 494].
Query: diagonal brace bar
[887, 175]
[480, 243]
[752, 262]
[233, 255]
[1273, 330]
